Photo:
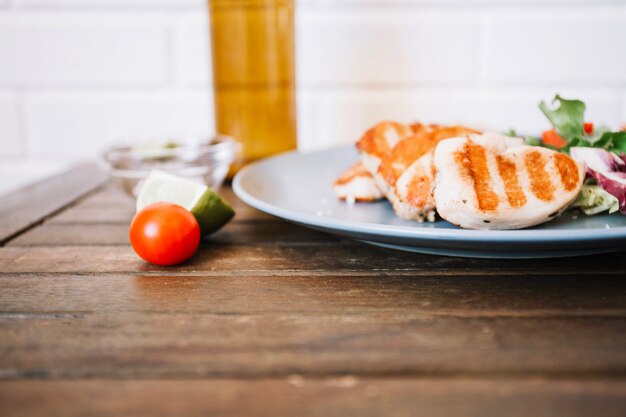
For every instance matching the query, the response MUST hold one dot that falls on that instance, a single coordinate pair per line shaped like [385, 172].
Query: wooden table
[275, 320]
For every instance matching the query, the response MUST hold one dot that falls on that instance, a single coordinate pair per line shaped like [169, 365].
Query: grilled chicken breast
[399, 157]
[496, 182]
[413, 188]
[357, 184]
[376, 144]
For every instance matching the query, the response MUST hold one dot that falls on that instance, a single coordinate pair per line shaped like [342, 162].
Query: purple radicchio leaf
[607, 168]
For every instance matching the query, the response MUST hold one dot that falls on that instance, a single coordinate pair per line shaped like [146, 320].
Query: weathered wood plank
[224, 259]
[30, 205]
[91, 214]
[300, 397]
[464, 296]
[168, 345]
[242, 233]
[114, 196]
[112, 206]
[94, 215]
[155, 327]
[243, 212]
[53, 234]
[108, 196]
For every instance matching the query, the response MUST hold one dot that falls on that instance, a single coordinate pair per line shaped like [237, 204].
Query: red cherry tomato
[588, 128]
[550, 137]
[164, 234]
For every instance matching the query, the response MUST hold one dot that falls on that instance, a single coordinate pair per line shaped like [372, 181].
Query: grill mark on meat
[355, 171]
[374, 141]
[407, 151]
[508, 172]
[423, 140]
[472, 161]
[540, 183]
[568, 170]
[418, 191]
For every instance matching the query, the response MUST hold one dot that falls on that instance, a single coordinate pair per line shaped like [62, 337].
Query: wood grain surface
[297, 396]
[30, 205]
[272, 319]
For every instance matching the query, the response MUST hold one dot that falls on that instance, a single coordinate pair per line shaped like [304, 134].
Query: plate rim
[408, 232]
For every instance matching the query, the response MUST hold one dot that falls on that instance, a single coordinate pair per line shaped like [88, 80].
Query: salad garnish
[593, 200]
[599, 149]
[570, 129]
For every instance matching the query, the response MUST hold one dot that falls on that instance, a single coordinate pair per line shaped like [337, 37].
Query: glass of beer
[254, 74]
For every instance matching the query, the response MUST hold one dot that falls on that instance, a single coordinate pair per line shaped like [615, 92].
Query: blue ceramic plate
[297, 187]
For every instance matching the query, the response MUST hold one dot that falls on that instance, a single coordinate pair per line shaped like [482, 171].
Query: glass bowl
[205, 161]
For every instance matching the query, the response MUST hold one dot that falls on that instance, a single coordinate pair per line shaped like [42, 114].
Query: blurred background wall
[77, 74]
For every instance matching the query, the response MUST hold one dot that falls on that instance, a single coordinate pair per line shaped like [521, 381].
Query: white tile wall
[80, 124]
[370, 48]
[64, 4]
[346, 114]
[10, 143]
[448, 3]
[580, 46]
[191, 60]
[77, 74]
[78, 49]
[624, 112]
[16, 174]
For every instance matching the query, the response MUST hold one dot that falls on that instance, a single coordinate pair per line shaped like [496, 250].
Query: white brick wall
[74, 49]
[191, 49]
[78, 74]
[372, 48]
[75, 124]
[578, 47]
[66, 4]
[10, 141]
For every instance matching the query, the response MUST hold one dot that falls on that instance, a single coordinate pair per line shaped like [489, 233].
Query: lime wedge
[210, 210]
[152, 149]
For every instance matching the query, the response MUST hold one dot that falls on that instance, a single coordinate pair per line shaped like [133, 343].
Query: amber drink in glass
[254, 74]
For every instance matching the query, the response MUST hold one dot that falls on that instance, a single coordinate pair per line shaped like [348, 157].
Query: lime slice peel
[210, 210]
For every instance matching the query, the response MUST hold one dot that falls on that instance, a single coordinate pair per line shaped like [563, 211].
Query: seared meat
[357, 184]
[496, 182]
[412, 197]
[376, 144]
[399, 158]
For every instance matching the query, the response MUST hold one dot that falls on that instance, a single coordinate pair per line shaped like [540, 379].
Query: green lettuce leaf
[568, 118]
[593, 199]
[533, 141]
[610, 141]
[613, 141]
